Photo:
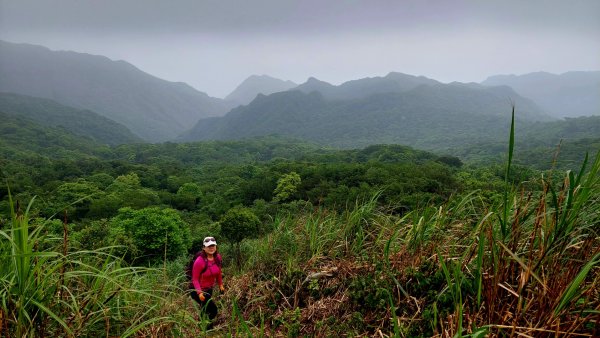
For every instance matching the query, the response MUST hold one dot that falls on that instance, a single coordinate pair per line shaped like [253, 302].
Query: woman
[206, 273]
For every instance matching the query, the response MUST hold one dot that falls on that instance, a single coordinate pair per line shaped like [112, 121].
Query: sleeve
[196, 269]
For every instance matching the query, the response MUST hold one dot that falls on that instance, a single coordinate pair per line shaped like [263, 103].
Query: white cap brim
[209, 243]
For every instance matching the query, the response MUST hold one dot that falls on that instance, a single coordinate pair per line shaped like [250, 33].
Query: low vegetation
[384, 241]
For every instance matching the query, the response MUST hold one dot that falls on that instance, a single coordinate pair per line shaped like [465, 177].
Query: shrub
[155, 233]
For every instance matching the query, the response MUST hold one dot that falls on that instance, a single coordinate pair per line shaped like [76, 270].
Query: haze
[215, 45]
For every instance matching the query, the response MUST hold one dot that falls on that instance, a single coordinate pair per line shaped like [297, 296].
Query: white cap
[208, 241]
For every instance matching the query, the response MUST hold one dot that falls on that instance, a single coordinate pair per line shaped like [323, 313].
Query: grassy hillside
[452, 269]
[380, 241]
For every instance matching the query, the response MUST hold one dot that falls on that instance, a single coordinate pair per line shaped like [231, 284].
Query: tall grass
[48, 292]
[527, 266]
[540, 263]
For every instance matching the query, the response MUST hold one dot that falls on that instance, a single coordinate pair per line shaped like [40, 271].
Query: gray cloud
[214, 45]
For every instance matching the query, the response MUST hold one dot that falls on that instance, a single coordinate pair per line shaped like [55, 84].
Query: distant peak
[266, 79]
[313, 80]
[398, 75]
[255, 84]
[393, 74]
[263, 76]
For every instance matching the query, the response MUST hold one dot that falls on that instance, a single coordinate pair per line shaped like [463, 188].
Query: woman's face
[210, 249]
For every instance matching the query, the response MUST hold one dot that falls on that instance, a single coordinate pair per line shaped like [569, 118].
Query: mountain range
[395, 108]
[571, 94]
[392, 83]
[154, 109]
[420, 113]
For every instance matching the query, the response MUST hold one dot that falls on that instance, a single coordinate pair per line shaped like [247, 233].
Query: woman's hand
[201, 295]
[222, 288]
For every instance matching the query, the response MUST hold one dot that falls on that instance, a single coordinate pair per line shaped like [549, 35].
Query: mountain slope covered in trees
[22, 137]
[431, 117]
[154, 109]
[562, 143]
[384, 240]
[80, 122]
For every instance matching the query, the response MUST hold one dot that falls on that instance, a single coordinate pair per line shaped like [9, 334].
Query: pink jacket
[209, 278]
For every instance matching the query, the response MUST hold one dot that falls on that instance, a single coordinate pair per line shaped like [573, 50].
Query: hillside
[257, 84]
[539, 143]
[383, 241]
[570, 94]
[433, 117]
[154, 109]
[24, 140]
[79, 122]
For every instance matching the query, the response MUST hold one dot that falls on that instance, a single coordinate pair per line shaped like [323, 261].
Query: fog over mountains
[154, 109]
[426, 116]
[570, 94]
[396, 108]
[257, 84]
[392, 83]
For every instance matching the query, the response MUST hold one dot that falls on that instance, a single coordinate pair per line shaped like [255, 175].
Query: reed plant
[535, 266]
[46, 290]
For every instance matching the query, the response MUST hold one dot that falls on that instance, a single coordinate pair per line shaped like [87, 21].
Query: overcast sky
[215, 45]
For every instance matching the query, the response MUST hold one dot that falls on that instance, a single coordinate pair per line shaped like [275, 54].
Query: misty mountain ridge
[430, 116]
[154, 109]
[257, 84]
[571, 94]
[159, 110]
[393, 82]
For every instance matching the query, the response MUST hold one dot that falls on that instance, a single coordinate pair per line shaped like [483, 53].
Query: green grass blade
[572, 291]
[511, 147]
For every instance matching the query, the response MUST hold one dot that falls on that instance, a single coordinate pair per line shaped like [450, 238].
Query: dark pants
[207, 306]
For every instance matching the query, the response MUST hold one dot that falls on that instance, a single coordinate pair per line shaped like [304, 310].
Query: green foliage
[100, 180]
[188, 196]
[238, 224]
[79, 122]
[287, 186]
[74, 197]
[327, 219]
[153, 233]
[369, 293]
[291, 320]
[431, 116]
[92, 236]
[539, 144]
[44, 291]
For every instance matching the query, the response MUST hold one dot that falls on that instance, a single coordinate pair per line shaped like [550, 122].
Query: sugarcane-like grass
[53, 292]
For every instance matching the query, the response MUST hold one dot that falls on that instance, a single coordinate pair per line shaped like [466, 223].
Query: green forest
[384, 240]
